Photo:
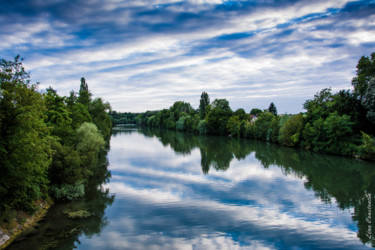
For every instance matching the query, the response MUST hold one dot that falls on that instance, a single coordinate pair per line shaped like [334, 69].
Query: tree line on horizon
[341, 123]
[49, 144]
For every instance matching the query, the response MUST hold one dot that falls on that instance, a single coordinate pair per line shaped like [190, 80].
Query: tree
[202, 127]
[58, 117]
[272, 109]
[255, 111]
[203, 103]
[233, 126]
[331, 135]
[218, 116]
[291, 131]
[242, 114]
[84, 95]
[319, 107]
[25, 151]
[100, 117]
[367, 149]
[263, 126]
[368, 100]
[345, 102]
[89, 144]
[365, 71]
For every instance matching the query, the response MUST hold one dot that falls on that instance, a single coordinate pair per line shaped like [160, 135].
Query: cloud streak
[142, 55]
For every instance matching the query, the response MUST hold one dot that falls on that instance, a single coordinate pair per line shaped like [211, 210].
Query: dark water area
[165, 190]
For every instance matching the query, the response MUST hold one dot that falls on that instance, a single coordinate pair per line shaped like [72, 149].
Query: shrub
[202, 127]
[68, 191]
[367, 149]
[291, 131]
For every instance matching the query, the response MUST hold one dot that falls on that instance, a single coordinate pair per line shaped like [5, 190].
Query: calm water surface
[168, 190]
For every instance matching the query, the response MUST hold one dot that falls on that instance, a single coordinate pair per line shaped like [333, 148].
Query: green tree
[272, 109]
[84, 95]
[368, 100]
[367, 149]
[319, 107]
[180, 124]
[291, 131]
[71, 100]
[331, 135]
[203, 103]
[241, 114]
[218, 116]
[263, 126]
[58, 117]
[202, 127]
[100, 117]
[255, 111]
[25, 151]
[365, 71]
[233, 125]
[80, 114]
[338, 130]
[89, 144]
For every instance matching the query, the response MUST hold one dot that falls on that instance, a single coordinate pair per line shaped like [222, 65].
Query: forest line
[341, 123]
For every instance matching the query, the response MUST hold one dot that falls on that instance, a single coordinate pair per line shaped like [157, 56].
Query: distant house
[253, 118]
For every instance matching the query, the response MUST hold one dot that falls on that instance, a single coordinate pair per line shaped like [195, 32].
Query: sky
[144, 55]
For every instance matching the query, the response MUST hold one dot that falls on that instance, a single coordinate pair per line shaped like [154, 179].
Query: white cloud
[151, 70]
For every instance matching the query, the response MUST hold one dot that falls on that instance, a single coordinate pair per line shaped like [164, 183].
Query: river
[165, 190]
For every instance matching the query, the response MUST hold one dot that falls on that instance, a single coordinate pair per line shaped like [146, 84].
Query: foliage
[365, 71]
[180, 124]
[24, 147]
[368, 100]
[68, 191]
[79, 114]
[331, 135]
[233, 126]
[123, 118]
[58, 117]
[84, 96]
[89, 144]
[241, 114]
[272, 109]
[291, 131]
[332, 123]
[99, 113]
[203, 104]
[202, 127]
[367, 149]
[263, 126]
[217, 117]
[255, 111]
[46, 141]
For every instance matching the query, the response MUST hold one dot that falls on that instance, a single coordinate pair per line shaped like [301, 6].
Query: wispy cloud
[142, 55]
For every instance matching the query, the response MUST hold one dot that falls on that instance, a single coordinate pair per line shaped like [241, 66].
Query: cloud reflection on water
[163, 201]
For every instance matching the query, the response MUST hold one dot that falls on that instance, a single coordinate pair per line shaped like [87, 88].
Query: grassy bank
[22, 223]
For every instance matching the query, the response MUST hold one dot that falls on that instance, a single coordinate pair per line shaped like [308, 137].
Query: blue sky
[143, 55]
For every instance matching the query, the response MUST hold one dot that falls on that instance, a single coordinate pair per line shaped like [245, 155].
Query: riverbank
[21, 223]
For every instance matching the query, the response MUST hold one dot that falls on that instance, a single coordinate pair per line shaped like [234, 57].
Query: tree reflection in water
[58, 231]
[348, 182]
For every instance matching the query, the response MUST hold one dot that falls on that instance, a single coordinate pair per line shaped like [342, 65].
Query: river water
[166, 190]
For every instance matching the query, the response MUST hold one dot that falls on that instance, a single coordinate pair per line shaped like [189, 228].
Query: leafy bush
[291, 131]
[180, 124]
[89, 144]
[68, 191]
[202, 127]
[367, 149]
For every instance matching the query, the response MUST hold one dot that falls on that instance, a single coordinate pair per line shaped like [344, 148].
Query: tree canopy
[39, 150]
